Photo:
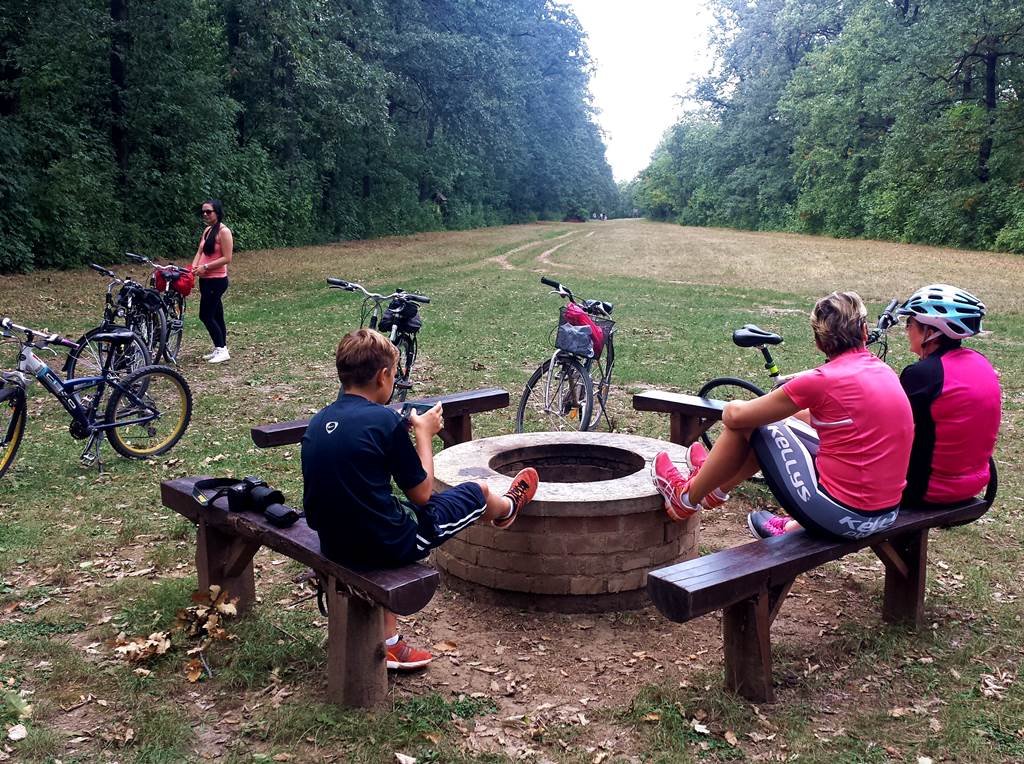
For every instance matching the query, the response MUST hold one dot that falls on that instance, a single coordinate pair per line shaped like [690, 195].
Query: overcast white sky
[646, 52]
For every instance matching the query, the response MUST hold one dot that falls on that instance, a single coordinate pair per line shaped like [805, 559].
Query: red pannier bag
[183, 285]
[576, 316]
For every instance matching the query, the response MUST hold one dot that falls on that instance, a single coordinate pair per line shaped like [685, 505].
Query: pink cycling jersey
[956, 400]
[865, 424]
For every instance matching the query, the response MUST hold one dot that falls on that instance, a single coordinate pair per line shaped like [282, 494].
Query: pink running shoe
[671, 484]
[696, 455]
[764, 524]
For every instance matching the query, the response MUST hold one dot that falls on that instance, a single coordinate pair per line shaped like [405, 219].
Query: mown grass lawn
[84, 556]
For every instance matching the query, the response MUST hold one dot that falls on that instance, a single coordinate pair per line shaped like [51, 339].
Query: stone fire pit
[586, 542]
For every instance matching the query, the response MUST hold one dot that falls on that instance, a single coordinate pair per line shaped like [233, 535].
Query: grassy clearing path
[85, 556]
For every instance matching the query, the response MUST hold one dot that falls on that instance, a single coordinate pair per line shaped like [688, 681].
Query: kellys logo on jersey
[331, 426]
[859, 527]
[787, 452]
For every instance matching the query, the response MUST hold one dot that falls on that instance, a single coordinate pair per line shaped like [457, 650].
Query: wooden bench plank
[689, 415]
[712, 582]
[401, 590]
[458, 407]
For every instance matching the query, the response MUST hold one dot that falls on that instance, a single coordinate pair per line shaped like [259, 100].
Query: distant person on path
[847, 485]
[353, 449]
[210, 265]
[954, 394]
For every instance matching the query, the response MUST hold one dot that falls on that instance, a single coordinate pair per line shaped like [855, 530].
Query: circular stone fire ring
[588, 539]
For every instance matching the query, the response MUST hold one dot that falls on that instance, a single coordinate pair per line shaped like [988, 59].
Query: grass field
[85, 556]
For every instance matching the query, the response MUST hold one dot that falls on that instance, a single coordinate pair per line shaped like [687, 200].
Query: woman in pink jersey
[862, 432]
[954, 394]
[210, 265]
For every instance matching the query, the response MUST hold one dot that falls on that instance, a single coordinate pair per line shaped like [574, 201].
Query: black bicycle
[569, 390]
[752, 336]
[164, 281]
[146, 413]
[400, 321]
[139, 308]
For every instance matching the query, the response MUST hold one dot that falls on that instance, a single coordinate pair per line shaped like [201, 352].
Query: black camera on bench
[250, 494]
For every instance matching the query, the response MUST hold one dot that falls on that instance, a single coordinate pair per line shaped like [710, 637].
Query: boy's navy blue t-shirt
[350, 452]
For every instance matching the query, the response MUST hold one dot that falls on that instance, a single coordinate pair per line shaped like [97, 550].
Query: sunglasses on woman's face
[206, 212]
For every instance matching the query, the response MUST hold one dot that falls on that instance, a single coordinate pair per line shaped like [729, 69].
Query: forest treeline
[887, 119]
[313, 120]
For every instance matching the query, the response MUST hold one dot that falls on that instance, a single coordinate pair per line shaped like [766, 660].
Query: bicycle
[752, 336]
[562, 392]
[139, 402]
[88, 355]
[139, 307]
[400, 321]
[166, 281]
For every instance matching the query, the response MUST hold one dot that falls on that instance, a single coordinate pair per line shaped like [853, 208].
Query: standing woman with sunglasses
[210, 265]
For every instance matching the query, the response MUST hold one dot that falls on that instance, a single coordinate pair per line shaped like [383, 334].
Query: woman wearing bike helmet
[843, 478]
[210, 265]
[954, 394]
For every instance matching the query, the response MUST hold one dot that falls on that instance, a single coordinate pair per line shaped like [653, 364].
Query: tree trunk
[119, 41]
[985, 149]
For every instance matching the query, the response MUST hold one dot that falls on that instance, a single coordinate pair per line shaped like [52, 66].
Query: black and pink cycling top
[957, 405]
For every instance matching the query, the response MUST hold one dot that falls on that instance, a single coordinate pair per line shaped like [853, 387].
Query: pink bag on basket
[576, 316]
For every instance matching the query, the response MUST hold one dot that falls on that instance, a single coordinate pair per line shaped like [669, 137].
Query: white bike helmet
[952, 311]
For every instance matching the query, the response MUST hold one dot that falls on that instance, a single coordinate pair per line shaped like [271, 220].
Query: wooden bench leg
[356, 663]
[457, 429]
[906, 569]
[685, 429]
[748, 653]
[226, 561]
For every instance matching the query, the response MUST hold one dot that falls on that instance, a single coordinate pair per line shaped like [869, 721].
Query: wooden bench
[226, 543]
[458, 410]
[689, 415]
[749, 583]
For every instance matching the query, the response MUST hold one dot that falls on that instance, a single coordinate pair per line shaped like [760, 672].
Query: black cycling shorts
[785, 451]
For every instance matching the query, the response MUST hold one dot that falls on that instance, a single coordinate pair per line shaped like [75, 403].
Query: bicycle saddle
[750, 336]
[116, 337]
[171, 275]
[591, 305]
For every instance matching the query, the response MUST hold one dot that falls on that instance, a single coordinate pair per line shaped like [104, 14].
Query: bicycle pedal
[403, 385]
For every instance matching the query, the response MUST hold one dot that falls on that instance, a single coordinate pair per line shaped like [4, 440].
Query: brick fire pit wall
[586, 542]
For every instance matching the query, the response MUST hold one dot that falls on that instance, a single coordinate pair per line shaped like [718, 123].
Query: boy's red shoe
[404, 657]
[521, 492]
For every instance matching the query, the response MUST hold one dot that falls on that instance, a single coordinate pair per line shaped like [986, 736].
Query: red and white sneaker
[696, 455]
[671, 484]
[521, 492]
[404, 657]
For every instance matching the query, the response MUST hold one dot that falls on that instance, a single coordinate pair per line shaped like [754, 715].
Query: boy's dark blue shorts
[447, 513]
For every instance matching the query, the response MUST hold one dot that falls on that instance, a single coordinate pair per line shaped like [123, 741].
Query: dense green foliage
[888, 119]
[312, 120]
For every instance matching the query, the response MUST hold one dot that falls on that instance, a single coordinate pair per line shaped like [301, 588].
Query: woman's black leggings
[211, 309]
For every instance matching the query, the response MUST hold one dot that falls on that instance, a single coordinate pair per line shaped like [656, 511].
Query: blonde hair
[838, 322]
[361, 354]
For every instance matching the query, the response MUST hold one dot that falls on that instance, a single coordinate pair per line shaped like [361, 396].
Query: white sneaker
[220, 356]
[211, 354]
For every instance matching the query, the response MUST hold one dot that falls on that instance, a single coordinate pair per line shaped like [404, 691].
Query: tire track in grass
[503, 261]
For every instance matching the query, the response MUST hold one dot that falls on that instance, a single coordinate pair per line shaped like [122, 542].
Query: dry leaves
[138, 649]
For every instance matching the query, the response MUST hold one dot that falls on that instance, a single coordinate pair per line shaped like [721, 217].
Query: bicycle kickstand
[91, 455]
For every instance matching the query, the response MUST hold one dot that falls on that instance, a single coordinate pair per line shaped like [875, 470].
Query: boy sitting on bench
[351, 451]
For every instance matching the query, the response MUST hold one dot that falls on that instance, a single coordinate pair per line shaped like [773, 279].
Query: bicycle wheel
[726, 389]
[13, 415]
[149, 411]
[406, 345]
[558, 397]
[596, 369]
[88, 359]
[151, 326]
[175, 306]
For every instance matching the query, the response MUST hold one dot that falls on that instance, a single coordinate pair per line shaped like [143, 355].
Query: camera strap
[220, 487]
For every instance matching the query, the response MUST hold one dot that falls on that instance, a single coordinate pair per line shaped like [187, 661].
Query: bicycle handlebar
[886, 320]
[351, 286]
[105, 271]
[9, 326]
[156, 266]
